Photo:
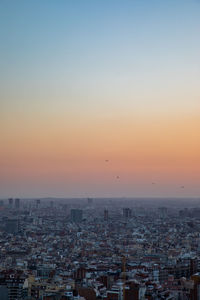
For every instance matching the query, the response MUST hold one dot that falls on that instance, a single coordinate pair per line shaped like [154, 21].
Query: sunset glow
[83, 82]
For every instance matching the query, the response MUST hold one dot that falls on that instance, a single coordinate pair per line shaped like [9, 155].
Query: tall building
[195, 292]
[76, 215]
[162, 212]
[12, 225]
[4, 292]
[37, 203]
[105, 214]
[11, 285]
[127, 212]
[90, 201]
[17, 203]
[10, 202]
[1, 204]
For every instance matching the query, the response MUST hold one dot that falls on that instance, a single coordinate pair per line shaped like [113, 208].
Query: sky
[99, 98]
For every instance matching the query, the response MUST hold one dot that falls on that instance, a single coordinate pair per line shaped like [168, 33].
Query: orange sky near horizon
[165, 150]
[92, 81]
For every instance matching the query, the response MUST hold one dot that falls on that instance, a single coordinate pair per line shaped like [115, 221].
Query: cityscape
[99, 149]
[109, 249]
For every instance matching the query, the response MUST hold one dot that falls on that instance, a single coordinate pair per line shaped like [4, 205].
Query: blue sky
[96, 62]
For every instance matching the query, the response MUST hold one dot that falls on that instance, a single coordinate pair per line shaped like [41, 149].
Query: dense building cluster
[109, 249]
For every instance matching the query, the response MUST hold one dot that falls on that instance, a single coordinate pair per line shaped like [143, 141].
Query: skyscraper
[37, 203]
[127, 212]
[76, 215]
[90, 201]
[10, 202]
[17, 203]
[105, 214]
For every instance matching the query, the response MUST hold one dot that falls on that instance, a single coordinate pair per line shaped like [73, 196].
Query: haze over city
[99, 98]
[99, 150]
